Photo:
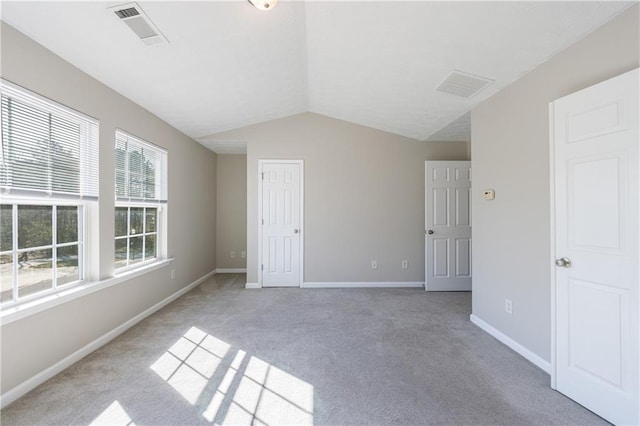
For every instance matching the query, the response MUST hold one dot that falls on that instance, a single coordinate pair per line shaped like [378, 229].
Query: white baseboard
[252, 285]
[353, 284]
[231, 271]
[517, 347]
[31, 383]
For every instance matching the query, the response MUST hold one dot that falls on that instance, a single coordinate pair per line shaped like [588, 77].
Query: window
[48, 174]
[140, 188]
[49, 250]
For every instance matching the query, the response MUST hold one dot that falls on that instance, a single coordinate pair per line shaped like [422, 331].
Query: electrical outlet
[374, 264]
[233, 254]
[173, 274]
[508, 306]
[405, 264]
[243, 254]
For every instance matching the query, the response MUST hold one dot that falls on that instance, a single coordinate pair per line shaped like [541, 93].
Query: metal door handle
[430, 232]
[563, 262]
[295, 231]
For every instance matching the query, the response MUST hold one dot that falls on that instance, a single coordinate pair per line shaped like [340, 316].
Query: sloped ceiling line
[229, 65]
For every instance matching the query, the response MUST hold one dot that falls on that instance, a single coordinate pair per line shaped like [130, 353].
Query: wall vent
[135, 18]
[463, 84]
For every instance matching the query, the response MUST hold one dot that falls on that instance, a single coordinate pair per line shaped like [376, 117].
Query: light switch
[488, 194]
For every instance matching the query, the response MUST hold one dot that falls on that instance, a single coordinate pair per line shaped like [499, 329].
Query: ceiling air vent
[135, 18]
[463, 84]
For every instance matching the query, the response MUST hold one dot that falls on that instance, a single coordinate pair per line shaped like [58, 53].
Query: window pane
[121, 189]
[67, 229]
[136, 181]
[6, 227]
[34, 226]
[65, 155]
[135, 250]
[121, 221]
[67, 264]
[152, 214]
[136, 185]
[35, 272]
[135, 226]
[149, 172]
[150, 246]
[121, 253]
[27, 152]
[6, 278]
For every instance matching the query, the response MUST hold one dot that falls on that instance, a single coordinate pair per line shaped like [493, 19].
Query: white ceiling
[228, 65]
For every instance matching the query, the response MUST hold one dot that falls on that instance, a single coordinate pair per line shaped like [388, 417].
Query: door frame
[552, 240]
[261, 163]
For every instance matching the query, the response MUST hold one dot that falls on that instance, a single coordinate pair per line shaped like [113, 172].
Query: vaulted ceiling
[228, 65]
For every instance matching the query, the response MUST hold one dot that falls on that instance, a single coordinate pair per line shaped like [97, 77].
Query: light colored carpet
[223, 354]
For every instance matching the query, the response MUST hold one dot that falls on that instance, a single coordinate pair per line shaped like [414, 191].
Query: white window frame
[85, 200]
[160, 204]
[14, 252]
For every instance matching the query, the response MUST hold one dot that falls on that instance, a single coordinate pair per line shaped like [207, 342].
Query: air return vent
[463, 84]
[135, 18]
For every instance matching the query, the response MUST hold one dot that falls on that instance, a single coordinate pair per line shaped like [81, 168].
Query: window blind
[140, 169]
[47, 149]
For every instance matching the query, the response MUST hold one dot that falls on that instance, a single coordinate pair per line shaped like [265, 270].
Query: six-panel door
[280, 225]
[448, 225]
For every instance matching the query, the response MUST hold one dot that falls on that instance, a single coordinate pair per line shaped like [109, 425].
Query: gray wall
[364, 195]
[35, 343]
[510, 151]
[231, 220]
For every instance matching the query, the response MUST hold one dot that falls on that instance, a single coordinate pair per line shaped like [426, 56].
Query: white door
[447, 225]
[595, 150]
[281, 223]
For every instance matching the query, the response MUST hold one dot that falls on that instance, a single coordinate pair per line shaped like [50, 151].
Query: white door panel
[280, 223]
[597, 330]
[448, 225]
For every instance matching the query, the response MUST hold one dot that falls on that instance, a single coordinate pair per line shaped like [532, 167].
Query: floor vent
[135, 18]
[463, 84]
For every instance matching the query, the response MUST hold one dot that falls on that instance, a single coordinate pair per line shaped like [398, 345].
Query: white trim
[231, 271]
[261, 163]
[33, 382]
[552, 240]
[252, 285]
[26, 309]
[354, 284]
[517, 347]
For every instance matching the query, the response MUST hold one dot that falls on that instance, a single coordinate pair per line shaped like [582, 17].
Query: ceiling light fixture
[263, 4]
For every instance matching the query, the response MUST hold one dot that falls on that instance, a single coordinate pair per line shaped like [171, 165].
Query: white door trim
[552, 240]
[261, 163]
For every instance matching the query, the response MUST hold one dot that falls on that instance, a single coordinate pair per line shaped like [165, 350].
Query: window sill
[22, 310]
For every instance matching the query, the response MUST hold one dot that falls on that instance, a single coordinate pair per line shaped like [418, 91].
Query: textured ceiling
[228, 65]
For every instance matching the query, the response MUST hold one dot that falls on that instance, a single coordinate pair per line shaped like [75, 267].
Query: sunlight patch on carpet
[245, 390]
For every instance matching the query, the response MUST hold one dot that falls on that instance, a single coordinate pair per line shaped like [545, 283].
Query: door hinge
[262, 267]
[263, 221]
[262, 175]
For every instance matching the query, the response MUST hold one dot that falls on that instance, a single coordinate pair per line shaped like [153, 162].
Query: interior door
[281, 224]
[447, 225]
[595, 151]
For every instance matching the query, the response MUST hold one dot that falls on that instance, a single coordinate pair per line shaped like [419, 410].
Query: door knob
[563, 262]
[295, 231]
[430, 232]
